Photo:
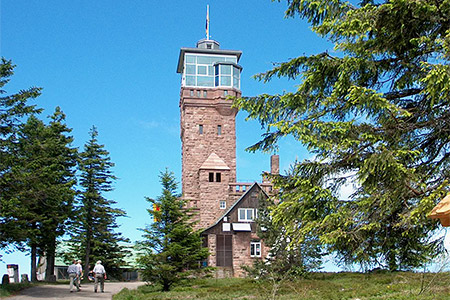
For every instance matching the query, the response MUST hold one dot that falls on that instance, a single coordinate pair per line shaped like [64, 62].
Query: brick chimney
[275, 164]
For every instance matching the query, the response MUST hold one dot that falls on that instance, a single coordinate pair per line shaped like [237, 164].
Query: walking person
[99, 275]
[80, 268]
[74, 273]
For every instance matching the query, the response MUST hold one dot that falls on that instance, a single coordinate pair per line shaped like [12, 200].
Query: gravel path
[61, 291]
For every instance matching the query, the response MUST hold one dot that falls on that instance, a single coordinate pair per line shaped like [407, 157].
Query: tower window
[218, 177]
[219, 129]
[223, 204]
[192, 93]
[211, 177]
[225, 93]
[200, 129]
[205, 94]
[199, 68]
[198, 94]
[202, 69]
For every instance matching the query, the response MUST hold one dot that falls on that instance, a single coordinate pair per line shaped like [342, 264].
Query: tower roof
[214, 162]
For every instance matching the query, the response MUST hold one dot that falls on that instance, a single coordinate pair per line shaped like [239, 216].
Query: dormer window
[247, 214]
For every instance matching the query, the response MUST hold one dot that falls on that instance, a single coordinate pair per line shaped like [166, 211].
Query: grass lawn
[12, 288]
[400, 285]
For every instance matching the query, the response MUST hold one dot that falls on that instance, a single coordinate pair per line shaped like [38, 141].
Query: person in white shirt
[80, 268]
[99, 275]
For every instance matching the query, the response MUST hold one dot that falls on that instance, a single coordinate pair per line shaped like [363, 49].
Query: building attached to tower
[226, 210]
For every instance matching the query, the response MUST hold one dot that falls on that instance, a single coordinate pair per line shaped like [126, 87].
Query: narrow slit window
[219, 129]
[200, 129]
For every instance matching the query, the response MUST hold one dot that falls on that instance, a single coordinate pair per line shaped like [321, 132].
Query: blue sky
[112, 64]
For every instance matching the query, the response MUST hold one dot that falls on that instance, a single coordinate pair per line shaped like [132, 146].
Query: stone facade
[200, 121]
[241, 238]
[208, 135]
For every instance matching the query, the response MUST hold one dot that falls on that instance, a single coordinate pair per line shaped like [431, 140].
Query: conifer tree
[13, 109]
[285, 260]
[375, 113]
[173, 249]
[44, 176]
[93, 235]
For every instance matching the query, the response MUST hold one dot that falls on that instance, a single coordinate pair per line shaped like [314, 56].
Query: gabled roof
[214, 162]
[236, 203]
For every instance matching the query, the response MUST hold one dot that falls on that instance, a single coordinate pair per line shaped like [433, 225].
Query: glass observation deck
[209, 67]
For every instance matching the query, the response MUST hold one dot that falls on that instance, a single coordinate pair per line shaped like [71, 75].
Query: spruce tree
[93, 235]
[285, 261]
[13, 110]
[173, 249]
[44, 176]
[374, 113]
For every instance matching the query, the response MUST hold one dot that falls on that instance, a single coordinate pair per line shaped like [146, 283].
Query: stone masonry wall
[241, 252]
[212, 249]
[209, 111]
[211, 193]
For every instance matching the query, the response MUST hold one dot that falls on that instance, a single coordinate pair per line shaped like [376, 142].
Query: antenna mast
[207, 21]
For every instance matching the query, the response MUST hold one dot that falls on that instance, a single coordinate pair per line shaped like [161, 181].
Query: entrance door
[224, 250]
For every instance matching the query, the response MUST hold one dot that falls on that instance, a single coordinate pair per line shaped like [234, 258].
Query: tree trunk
[86, 256]
[50, 254]
[33, 263]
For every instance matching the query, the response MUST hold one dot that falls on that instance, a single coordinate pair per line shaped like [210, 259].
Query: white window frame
[253, 212]
[210, 73]
[255, 249]
[222, 204]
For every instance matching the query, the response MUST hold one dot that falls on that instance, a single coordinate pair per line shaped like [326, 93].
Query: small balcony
[239, 188]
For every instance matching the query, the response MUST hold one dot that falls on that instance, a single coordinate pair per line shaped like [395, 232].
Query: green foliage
[11, 289]
[43, 175]
[173, 249]
[94, 219]
[375, 115]
[13, 109]
[285, 261]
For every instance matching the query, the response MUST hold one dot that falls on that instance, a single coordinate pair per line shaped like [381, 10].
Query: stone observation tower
[208, 134]
[226, 209]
